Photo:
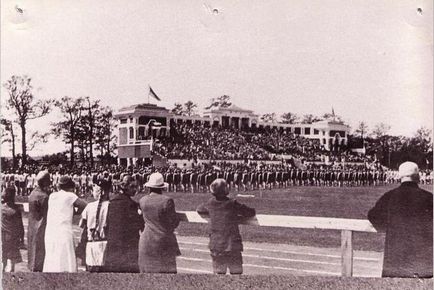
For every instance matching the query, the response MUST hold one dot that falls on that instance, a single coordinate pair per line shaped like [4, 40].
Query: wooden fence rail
[346, 226]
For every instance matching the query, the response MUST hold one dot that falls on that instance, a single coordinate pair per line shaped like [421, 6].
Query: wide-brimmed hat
[156, 180]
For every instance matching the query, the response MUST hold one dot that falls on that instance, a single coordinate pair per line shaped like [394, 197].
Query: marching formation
[239, 176]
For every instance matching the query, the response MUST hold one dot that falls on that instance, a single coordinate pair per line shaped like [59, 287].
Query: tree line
[85, 125]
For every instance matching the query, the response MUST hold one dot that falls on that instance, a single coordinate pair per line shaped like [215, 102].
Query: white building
[137, 123]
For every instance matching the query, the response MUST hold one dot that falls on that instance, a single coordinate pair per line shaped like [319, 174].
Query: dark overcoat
[405, 214]
[158, 239]
[38, 207]
[224, 214]
[123, 226]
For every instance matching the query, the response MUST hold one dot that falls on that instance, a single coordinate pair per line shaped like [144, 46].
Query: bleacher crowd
[191, 141]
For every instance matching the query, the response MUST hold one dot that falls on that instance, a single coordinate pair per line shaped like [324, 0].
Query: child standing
[12, 230]
[225, 240]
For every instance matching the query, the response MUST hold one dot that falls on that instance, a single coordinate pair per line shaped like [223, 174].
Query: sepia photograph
[280, 144]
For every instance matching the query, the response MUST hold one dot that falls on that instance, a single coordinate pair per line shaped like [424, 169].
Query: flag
[333, 111]
[153, 94]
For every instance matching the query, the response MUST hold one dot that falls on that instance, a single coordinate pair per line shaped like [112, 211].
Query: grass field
[353, 202]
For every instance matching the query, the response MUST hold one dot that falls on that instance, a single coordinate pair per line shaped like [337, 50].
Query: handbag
[96, 248]
[95, 253]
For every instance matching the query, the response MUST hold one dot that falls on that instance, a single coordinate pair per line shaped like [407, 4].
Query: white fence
[346, 226]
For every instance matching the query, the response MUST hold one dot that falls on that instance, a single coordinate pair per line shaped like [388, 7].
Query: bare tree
[269, 117]
[362, 130]
[309, 119]
[104, 127]
[289, 118]
[72, 111]
[177, 109]
[222, 101]
[8, 135]
[189, 107]
[22, 101]
[380, 130]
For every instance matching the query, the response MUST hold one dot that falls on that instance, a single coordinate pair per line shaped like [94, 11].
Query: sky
[370, 60]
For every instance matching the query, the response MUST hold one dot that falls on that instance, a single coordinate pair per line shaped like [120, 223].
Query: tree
[332, 117]
[92, 108]
[25, 106]
[289, 118]
[177, 109]
[309, 119]
[269, 117]
[8, 135]
[104, 137]
[72, 111]
[189, 108]
[220, 102]
[380, 130]
[362, 130]
[423, 139]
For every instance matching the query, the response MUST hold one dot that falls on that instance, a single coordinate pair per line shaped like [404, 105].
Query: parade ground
[277, 251]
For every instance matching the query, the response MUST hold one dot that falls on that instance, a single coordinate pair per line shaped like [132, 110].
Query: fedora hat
[156, 180]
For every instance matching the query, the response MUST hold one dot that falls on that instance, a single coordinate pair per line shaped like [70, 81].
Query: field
[272, 250]
[352, 202]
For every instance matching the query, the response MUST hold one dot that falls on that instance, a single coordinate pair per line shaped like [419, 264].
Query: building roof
[144, 106]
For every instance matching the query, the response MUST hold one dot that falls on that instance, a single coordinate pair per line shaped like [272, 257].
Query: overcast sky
[371, 60]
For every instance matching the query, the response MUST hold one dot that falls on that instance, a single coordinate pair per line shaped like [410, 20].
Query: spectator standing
[405, 214]
[38, 207]
[225, 240]
[94, 218]
[59, 236]
[124, 223]
[158, 246]
[12, 230]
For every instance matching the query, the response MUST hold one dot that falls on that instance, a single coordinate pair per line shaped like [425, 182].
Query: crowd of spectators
[193, 142]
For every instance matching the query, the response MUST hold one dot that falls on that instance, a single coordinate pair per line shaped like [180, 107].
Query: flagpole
[149, 90]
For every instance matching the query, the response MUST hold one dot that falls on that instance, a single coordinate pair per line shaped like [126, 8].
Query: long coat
[406, 215]
[12, 232]
[158, 244]
[38, 206]
[123, 225]
[223, 228]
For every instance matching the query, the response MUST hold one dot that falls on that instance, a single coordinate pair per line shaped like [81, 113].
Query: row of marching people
[119, 234]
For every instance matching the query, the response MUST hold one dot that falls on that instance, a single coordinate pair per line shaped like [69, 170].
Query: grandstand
[223, 133]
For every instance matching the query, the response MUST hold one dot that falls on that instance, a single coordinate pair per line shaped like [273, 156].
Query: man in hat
[158, 246]
[225, 239]
[38, 206]
[405, 214]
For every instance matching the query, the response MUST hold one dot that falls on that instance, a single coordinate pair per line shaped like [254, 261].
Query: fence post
[347, 253]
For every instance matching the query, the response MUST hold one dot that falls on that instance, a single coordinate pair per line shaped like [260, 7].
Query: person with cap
[225, 240]
[123, 226]
[59, 235]
[405, 214]
[158, 246]
[38, 207]
[12, 230]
